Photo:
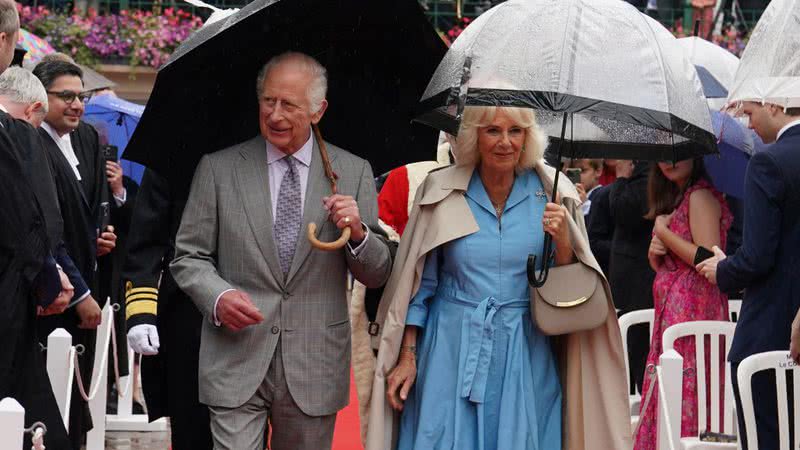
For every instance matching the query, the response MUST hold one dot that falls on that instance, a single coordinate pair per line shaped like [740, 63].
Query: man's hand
[236, 311]
[89, 312]
[343, 211]
[143, 339]
[114, 174]
[708, 268]
[62, 301]
[106, 242]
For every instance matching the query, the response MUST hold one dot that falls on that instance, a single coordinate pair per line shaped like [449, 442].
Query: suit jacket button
[275, 330]
[286, 295]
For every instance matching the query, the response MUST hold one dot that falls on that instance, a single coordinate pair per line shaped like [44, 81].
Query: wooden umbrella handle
[312, 227]
[327, 246]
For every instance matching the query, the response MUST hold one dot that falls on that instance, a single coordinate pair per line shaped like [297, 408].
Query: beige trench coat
[595, 398]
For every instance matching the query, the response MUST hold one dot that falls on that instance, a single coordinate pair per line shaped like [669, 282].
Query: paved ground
[130, 440]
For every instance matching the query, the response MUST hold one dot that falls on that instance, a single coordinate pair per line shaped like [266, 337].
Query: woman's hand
[555, 223]
[401, 378]
[662, 223]
[656, 251]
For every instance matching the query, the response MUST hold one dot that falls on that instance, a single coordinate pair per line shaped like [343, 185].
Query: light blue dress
[486, 376]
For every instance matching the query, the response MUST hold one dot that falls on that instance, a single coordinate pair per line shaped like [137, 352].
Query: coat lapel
[62, 160]
[252, 177]
[318, 186]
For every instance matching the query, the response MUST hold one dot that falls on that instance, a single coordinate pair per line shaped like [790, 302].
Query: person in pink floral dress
[689, 213]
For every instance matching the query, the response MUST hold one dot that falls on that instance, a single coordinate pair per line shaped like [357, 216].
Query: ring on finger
[547, 221]
[347, 220]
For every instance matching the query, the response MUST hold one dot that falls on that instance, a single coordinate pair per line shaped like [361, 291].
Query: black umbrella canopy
[379, 57]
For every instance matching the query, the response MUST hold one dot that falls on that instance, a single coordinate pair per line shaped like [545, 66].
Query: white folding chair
[626, 321]
[780, 362]
[734, 309]
[674, 382]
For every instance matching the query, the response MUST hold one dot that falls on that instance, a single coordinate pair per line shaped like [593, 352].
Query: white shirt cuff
[356, 251]
[120, 200]
[214, 314]
[79, 299]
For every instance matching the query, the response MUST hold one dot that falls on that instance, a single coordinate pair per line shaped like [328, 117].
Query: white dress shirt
[277, 169]
[786, 128]
[587, 205]
[64, 144]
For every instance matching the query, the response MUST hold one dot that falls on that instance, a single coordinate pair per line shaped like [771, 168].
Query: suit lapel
[318, 186]
[85, 163]
[62, 160]
[252, 176]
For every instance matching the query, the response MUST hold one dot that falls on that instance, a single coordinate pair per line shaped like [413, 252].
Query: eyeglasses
[69, 96]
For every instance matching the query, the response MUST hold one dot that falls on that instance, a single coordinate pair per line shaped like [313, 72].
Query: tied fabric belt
[481, 342]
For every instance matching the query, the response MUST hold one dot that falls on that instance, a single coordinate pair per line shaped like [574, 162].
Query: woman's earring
[523, 148]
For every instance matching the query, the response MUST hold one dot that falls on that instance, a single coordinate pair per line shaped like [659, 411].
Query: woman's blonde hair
[465, 146]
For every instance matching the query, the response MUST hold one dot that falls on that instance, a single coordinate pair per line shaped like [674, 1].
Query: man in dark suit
[84, 195]
[766, 263]
[163, 323]
[630, 275]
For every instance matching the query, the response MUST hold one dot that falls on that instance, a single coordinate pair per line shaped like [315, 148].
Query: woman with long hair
[691, 217]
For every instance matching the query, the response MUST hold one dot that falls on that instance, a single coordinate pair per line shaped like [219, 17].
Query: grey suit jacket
[225, 241]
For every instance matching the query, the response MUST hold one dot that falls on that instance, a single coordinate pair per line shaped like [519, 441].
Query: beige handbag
[573, 299]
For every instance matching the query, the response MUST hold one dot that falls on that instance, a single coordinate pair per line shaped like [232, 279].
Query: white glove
[143, 339]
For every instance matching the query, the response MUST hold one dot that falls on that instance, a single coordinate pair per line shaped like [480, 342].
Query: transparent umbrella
[721, 63]
[577, 61]
[769, 71]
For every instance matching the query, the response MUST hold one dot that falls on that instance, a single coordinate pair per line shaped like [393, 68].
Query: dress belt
[481, 342]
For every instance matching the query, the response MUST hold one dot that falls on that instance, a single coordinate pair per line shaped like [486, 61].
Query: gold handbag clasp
[575, 302]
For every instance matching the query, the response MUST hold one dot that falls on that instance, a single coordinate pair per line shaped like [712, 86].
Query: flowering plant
[138, 37]
[456, 30]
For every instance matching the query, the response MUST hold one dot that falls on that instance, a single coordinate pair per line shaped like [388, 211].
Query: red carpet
[347, 435]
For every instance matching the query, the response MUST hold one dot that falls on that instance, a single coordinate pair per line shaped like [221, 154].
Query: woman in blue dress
[474, 372]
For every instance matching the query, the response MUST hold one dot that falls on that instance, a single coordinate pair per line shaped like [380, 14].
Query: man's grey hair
[9, 18]
[319, 84]
[21, 86]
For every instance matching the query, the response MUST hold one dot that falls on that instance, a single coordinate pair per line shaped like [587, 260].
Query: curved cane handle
[327, 246]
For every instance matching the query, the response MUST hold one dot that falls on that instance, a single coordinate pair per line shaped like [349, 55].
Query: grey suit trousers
[244, 428]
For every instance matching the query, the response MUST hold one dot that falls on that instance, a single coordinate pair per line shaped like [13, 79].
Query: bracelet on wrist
[409, 349]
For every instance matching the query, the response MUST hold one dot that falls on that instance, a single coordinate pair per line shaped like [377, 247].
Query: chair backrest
[714, 329]
[734, 309]
[626, 321]
[780, 362]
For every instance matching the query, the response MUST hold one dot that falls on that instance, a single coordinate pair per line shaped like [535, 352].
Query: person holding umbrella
[765, 264]
[767, 92]
[276, 335]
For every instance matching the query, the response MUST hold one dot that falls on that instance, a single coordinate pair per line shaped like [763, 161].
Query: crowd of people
[244, 324]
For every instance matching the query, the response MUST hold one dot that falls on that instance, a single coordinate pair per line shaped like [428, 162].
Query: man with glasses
[85, 196]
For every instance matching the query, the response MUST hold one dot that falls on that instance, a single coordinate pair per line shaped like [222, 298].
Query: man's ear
[34, 108]
[317, 116]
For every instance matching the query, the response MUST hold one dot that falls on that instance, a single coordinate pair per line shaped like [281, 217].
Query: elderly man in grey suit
[276, 342]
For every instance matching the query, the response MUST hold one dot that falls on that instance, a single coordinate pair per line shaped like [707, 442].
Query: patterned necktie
[288, 216]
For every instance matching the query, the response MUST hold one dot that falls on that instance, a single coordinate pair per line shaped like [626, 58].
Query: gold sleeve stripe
[130, 298]
[141, 307]
[140, 290]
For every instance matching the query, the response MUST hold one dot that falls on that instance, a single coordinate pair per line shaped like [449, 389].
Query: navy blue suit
[766, 266]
